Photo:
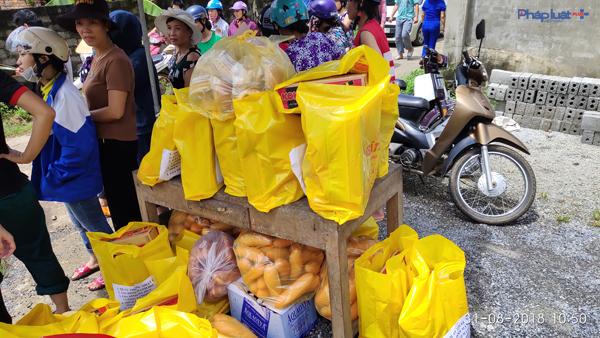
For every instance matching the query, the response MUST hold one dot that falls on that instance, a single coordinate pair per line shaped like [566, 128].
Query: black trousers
[118, 159]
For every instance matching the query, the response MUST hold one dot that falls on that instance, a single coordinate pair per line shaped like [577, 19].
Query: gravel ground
[536, 268]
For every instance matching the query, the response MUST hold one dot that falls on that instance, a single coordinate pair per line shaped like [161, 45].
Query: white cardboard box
[267, 322]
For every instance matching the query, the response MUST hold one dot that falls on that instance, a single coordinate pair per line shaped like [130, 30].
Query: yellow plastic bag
[161, 322]
[226, 146]
[122, 266]
[102, 308]
[81, 322]
[207, 310]
[437, 301]
[341, 125]
[361, 59]
[41, 314]
[38, 322]
[185, 240]
[233, 68]
[389, 116]
[265, 139]
[381, 296]
[162, 269]
[162, 141]
[193, 136]
[369, 228]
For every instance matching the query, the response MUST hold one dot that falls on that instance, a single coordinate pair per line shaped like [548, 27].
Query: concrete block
[510, 94]
[524, 81]
[595, 88]
[555, 126]
[501, 77]
[578, 116]
[510, 116]
[546, 123]
[581, 102]
[569, 115]
[587, 137]
[500, 105]
[526, 121]
[543, 83]
[591, 121]
[551, 99]
[575, 130]
[518, 119]
[559, 113]
[536, 122]
[534, 82]
[572, 101]
[549, 112]
[593, 103]
[514, 80]
[530, 109]
[596, 140]
[553, 84]
[561, 100]
[520, 109]
[541, 97]
[563, 85]
[520, 95]
[529, 96]
[511, 106]
[501, 92]
[565, 127]
[574, 85]
[539, 110]
[491, 90]
[499, 113]
[586, 86]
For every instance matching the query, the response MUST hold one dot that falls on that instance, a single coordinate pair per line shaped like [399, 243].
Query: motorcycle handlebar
[466, 56]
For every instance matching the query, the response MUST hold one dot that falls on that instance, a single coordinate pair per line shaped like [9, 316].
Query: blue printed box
[267, 322]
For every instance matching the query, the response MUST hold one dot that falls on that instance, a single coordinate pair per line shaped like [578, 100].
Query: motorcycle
[489, 183]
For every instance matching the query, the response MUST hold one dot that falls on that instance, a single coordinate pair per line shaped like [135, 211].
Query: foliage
[410, 80]
[544, 195]
[149, 7]
[596, 218]
[562, 219]
[15, 120]
[29, 3]
[4, 267]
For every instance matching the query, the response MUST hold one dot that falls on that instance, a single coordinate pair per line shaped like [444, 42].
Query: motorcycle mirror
[480, 30]
[401, 84]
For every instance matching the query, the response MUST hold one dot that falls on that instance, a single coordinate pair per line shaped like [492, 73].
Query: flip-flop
[399, 57]
[100, 282]
[84, 271]
[409, 54]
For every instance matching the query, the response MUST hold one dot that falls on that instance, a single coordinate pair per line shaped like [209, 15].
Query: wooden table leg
[339, 287]
[394, 208]
[149, 212]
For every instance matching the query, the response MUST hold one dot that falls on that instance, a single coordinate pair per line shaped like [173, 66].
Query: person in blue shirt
[129, 39]
[68, 167]
[434, 14]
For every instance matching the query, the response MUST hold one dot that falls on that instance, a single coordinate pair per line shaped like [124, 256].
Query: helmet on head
[323, 9]
[264, 22]
[198, 12]
[239, 5]
[286, 12]
[214, 4]
[40, 40]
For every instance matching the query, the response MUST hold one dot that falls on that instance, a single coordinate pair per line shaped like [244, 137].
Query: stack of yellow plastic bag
[234, 68]
[408, 287]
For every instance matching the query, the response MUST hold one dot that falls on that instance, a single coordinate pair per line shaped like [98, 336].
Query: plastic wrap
[233, 68]
[356, 246]
[276, 270]
[212, 266]
[229, 327]
[180, 221]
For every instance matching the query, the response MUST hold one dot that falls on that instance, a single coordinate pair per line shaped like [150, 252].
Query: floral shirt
[340, 39]
[311, 50]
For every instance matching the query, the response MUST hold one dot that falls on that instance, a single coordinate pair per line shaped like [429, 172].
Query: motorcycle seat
[157, 58]
[405, 100]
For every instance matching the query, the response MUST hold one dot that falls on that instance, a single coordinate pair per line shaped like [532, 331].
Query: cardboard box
[288, 94]
[138, 237]
[265, 321]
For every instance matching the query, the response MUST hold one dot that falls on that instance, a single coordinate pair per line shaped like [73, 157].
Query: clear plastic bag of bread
[229, 327]
[180, 221]
[233, 68]
[212, 266]
[356, 247]
[278, 271]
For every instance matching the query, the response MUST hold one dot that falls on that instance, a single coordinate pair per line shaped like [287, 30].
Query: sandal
[399, 57]
[409, 54]
[83, 272]
[99, 281]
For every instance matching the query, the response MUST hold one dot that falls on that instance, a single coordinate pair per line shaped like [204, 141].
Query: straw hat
[181, 15]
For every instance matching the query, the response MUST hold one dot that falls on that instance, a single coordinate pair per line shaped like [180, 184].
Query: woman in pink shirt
[240, 11]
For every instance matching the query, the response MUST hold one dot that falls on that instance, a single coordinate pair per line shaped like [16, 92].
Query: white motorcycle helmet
[39, 40]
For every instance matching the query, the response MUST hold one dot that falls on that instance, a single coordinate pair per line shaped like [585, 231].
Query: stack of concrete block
[547, 102]
[590, 124]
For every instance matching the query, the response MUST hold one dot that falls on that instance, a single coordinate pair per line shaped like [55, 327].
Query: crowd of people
[84, 145]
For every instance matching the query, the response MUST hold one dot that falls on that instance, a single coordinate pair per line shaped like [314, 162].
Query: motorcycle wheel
[513, 191]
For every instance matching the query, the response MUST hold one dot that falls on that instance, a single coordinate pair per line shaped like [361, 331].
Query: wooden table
[295, 222]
